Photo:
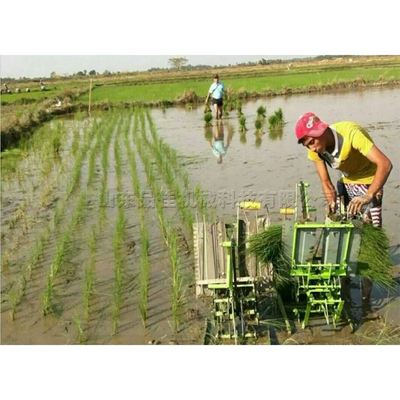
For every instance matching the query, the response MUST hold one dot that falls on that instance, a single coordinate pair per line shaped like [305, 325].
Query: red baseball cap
[309, 125]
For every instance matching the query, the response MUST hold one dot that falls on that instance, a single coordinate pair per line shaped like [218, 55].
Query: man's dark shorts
[218, 102]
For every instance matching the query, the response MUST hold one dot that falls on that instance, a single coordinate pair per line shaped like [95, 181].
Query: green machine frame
[320, 256]
[319, 259]
[235, 299]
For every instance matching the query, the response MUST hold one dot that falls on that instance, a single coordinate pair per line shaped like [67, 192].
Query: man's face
[317, 144]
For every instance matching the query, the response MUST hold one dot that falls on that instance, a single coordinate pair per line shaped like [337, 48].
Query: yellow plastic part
[250, 205]
[286, 211]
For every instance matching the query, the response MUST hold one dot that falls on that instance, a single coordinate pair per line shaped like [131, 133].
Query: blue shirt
[217, 90]
[218, 148]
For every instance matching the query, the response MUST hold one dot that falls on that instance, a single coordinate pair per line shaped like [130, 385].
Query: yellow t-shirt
[352, 160]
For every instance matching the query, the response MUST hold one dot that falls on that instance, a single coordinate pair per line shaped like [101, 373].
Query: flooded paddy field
[96, 240]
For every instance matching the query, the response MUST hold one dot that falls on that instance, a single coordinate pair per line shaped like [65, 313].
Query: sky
[31, 66]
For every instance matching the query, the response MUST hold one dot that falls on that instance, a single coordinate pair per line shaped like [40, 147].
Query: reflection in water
[276, 132]
[258, 134]
[208, 133]
[243, 137]
[219, 142]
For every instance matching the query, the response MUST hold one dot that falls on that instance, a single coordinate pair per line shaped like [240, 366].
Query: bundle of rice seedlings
[239, 108]
[242, 123]
[268, 247]
[261, 111]
[207, 118]
[258, 124]
[276, 119]
[373, 259]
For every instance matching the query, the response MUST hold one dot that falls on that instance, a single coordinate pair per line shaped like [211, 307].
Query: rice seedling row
[63, 249]
[168, 167]
[167, 230]
[63, 245]
[173, 170]
[104, 180]
[144, 275]
[26, 213]
[118, 240]
[17, 292]
[103, 140]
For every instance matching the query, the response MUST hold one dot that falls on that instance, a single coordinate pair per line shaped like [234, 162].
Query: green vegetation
[258, 124]
[269, 248]
[118, 240]
[165, 158]
[374, 260]
[73, 160]
[261, 112]
[166, 88]
[144, 274]
[276, 124]
[248, 86]
[276, 119]
[208, 118]
[242, 123]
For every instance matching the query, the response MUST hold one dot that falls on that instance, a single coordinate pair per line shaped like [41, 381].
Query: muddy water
[29, 325]
[267, 166]
[264, 165]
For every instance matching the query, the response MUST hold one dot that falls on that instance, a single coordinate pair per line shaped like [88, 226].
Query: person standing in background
[216, 92]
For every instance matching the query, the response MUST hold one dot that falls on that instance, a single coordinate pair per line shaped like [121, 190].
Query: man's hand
[332, 206]
[356, 204]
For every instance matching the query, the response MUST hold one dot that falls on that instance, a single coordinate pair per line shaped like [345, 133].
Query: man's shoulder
[350, 129]
[344, 124]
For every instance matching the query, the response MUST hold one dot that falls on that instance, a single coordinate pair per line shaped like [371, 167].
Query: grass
[10, 160]
[274, 82]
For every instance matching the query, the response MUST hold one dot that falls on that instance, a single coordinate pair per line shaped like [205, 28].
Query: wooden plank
[198, 233]
[220, 251]
[251, 229]
[209, 252]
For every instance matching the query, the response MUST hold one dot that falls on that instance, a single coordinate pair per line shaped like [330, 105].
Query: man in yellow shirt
[347, 147]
